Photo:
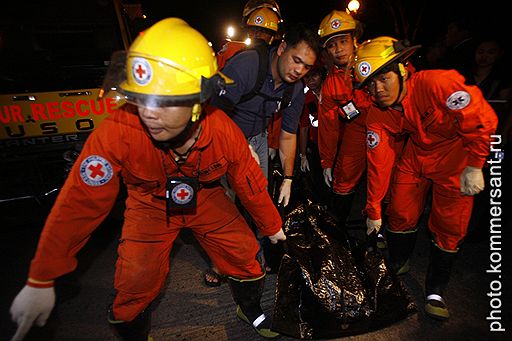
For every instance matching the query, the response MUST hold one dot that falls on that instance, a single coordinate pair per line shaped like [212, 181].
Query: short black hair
[391, 67]
[300, 32]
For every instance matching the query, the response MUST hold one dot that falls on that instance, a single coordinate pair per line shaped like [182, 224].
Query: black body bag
[330, 288]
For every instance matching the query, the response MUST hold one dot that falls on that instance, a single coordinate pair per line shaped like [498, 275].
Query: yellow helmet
[264, 18]
[253, 5]
[168, 63]
[375, 54]
[336, 23]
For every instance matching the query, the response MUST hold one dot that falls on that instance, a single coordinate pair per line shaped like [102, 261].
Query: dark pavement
[188, 310]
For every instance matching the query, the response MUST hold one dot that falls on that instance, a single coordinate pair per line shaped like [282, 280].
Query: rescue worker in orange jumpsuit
[449, 125]
[170, 150]
[261, 20]
[341, 120]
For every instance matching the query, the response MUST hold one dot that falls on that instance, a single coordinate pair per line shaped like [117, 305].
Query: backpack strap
[287, 97]
[263, 55]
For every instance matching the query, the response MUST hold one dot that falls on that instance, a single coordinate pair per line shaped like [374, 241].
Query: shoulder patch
[372, 139]
[95, 171]
[458, 100]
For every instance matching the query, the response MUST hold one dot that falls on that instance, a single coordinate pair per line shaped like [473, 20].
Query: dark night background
[57, 44]
[47, 46]
[426, 19]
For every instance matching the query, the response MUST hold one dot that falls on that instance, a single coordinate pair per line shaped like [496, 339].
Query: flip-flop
[212, 274]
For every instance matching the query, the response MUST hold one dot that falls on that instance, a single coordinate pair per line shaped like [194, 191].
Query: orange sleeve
[382, 154]
[227, 51]
[274, 130]
[474, 118]
[80, 207]
[334, 91]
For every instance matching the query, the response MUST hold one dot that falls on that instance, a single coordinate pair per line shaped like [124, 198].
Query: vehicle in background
[53, 57]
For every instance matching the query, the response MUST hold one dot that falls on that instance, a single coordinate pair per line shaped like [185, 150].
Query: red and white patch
[335, 24]
[141, 71]
[95, 171]
[182, 194]
[364, 69]
[458, 100]
[259, 20]
[372, 139]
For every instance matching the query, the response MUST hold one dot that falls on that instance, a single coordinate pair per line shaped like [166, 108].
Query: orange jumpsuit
[121, 150]
[342, 143]
[450, 125]
[274, 130]
[227, 51]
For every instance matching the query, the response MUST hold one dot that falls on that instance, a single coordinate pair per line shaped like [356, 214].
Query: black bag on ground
[326, 289]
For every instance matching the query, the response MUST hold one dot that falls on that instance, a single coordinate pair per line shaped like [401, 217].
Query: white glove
[254, 154]
[304, 164]
[31, 304]
[277, 237]
[285, 191]
[328, 176]
[272, 153]
[373, 225]
[471, 181]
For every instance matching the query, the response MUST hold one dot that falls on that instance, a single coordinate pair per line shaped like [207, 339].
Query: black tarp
[331, 287]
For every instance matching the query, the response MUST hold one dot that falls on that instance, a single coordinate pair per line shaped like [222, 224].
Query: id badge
[348, 111]
[181, 193]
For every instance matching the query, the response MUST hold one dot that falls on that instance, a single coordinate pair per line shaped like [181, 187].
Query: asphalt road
[188, 310]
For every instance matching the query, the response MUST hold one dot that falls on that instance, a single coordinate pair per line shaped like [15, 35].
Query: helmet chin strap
[180, 139]
[401, 80]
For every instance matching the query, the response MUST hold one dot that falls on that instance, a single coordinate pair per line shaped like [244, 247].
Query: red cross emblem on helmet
[259, 20]
[364, 69]
[141, 71]
[335, 24]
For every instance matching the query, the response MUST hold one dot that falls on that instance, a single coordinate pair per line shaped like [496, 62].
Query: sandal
[212, 278]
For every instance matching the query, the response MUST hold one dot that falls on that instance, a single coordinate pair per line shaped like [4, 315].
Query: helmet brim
[403, 55]
[340, 34]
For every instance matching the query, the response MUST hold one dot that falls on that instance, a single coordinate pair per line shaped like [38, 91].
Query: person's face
[313, 80]
[385, 88]
[340, 49]
[487, 53]
[165, 123]
[266, 36]
[295, 61]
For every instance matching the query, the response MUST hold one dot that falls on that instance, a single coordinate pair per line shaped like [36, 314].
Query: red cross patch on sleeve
[372, 139]
[95, 170]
